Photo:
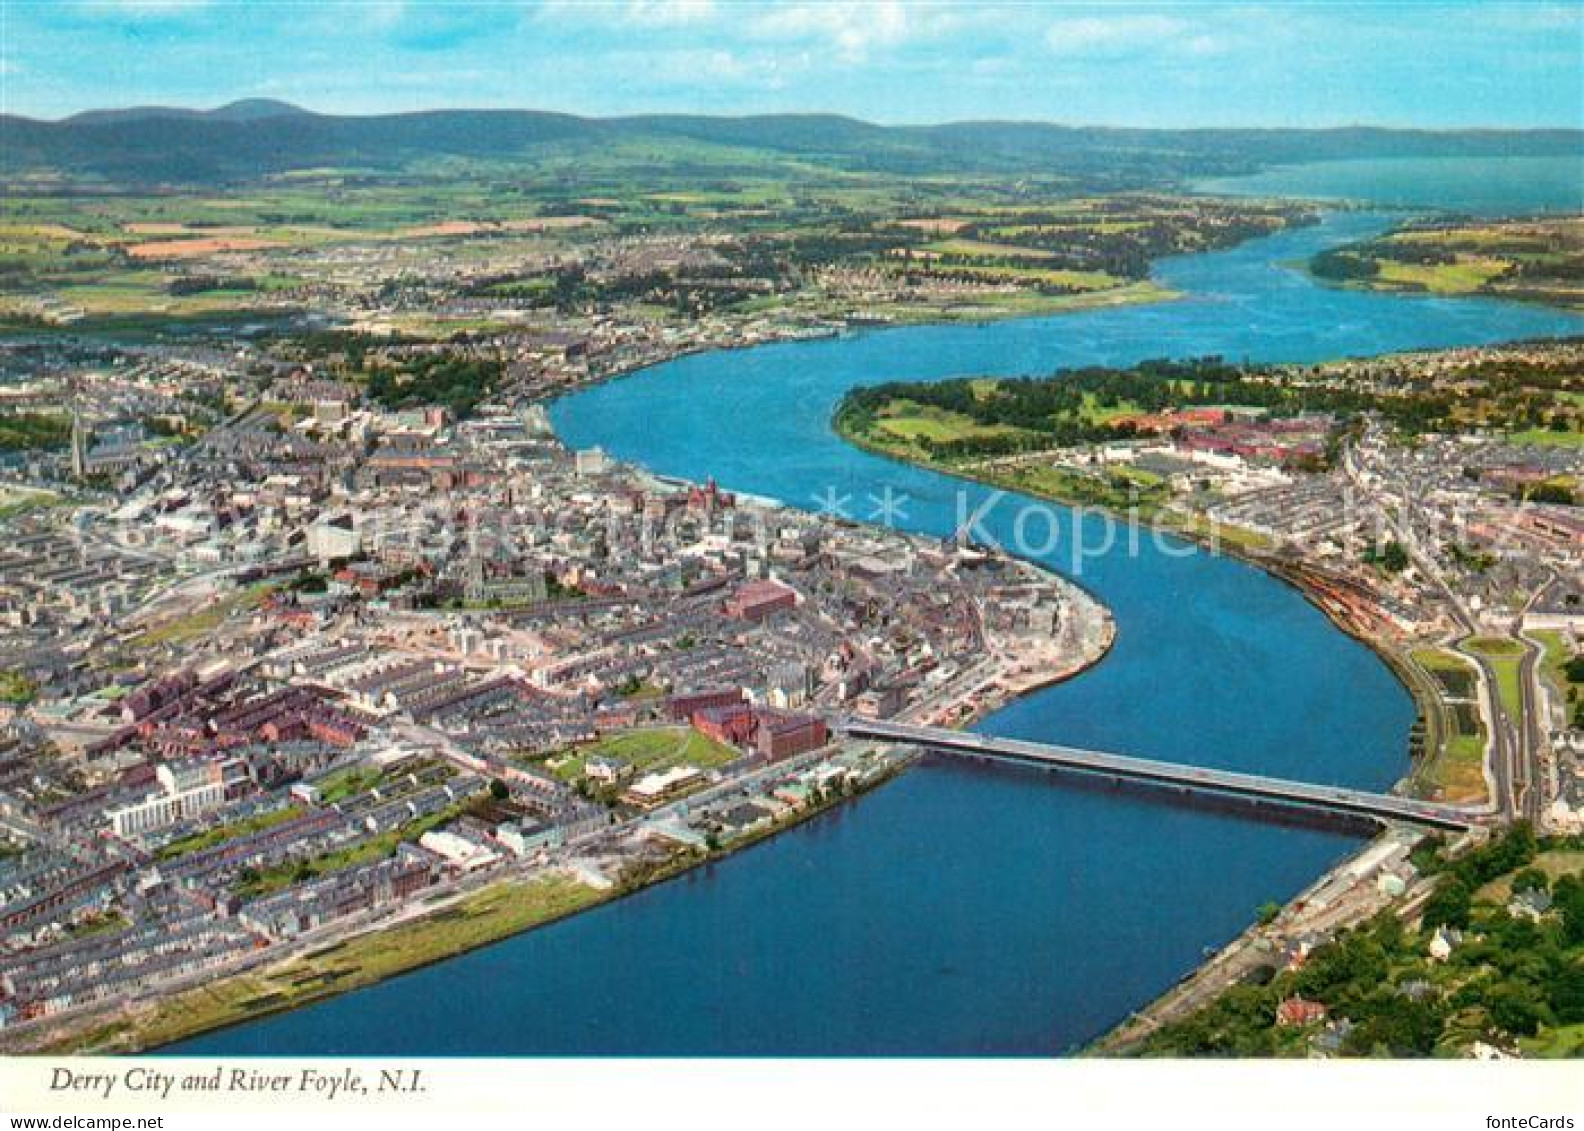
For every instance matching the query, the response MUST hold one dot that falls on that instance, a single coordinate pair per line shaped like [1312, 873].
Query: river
[964, 909]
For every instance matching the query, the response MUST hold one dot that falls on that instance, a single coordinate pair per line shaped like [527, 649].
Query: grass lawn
[19, 500]
[908, 421]
[1503, 656]
[1458, 769]
[343, 785]
[199, 841]
[102, 924]
[1466, 276]
[1082, 281]
[1455, 673]
[654, 749]
[1567, 1041]
[16, 688]
[1136, 475]
[1220, 533]
[642, 692]
[1546, 438]
[1555, 863]
[987, 250]
[1557, 654]
[1077, 488]
[1023, 303]
[1495, 646]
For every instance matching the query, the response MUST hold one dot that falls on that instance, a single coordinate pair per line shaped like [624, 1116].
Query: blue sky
[1445, 63]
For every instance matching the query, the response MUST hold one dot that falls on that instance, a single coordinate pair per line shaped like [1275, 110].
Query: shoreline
[1289, 573]
[112, 1028]
[995, 700]
[1121, 1039]
[100, 1040]
[1252, 947]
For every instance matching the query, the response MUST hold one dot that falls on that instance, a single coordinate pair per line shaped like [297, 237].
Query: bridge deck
[1381, 806]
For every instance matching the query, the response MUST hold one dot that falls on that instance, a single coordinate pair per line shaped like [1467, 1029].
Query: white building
[457, 850]
[167, 808]
[329, 541]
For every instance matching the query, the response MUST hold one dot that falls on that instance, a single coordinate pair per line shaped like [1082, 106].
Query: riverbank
[1344, 897]
[374, 951]
[1245, 546]
[1322, 699]
[472, 912]
[835, 324]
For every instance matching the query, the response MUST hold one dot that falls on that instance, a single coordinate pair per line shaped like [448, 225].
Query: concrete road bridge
[1381, 807]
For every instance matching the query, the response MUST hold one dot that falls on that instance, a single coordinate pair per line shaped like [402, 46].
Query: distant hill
[255, 137]
[243, 110]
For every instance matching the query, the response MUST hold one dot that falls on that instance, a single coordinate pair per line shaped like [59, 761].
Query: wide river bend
[964, 909]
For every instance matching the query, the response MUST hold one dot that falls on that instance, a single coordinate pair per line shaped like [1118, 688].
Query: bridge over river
[1189, 779]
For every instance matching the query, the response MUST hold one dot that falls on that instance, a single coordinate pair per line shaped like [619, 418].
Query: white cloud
[1099, 35]
[379, 13]
[695, 66]
[852, 28]
[1120, 36]
[1204, 44]
[648, 14]
[669, 13]
[847, 30]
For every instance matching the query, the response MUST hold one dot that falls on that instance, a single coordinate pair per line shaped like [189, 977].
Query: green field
[1558, 651]
[1503, 655]
[985, 248]
[193, 625]
[222, 833]
[378, 847]
[908, 421]
[1113, 490]
[491, 914]
[659, 748]
[1547, 438]
[1466, 276]
[1535, 260]
[1457, 770]
[16, 501]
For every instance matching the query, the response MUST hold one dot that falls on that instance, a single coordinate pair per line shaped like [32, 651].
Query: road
[1179, 777]
[1515, 745]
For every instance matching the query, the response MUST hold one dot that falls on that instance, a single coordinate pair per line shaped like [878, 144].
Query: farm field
[1530, 260]
[128, 263]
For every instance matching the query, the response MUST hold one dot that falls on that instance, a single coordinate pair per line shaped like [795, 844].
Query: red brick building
[785, 736]
[734, 725]
[757, 600]
[683, 707]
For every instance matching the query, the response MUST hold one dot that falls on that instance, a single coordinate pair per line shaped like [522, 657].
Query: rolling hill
[259, 137]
